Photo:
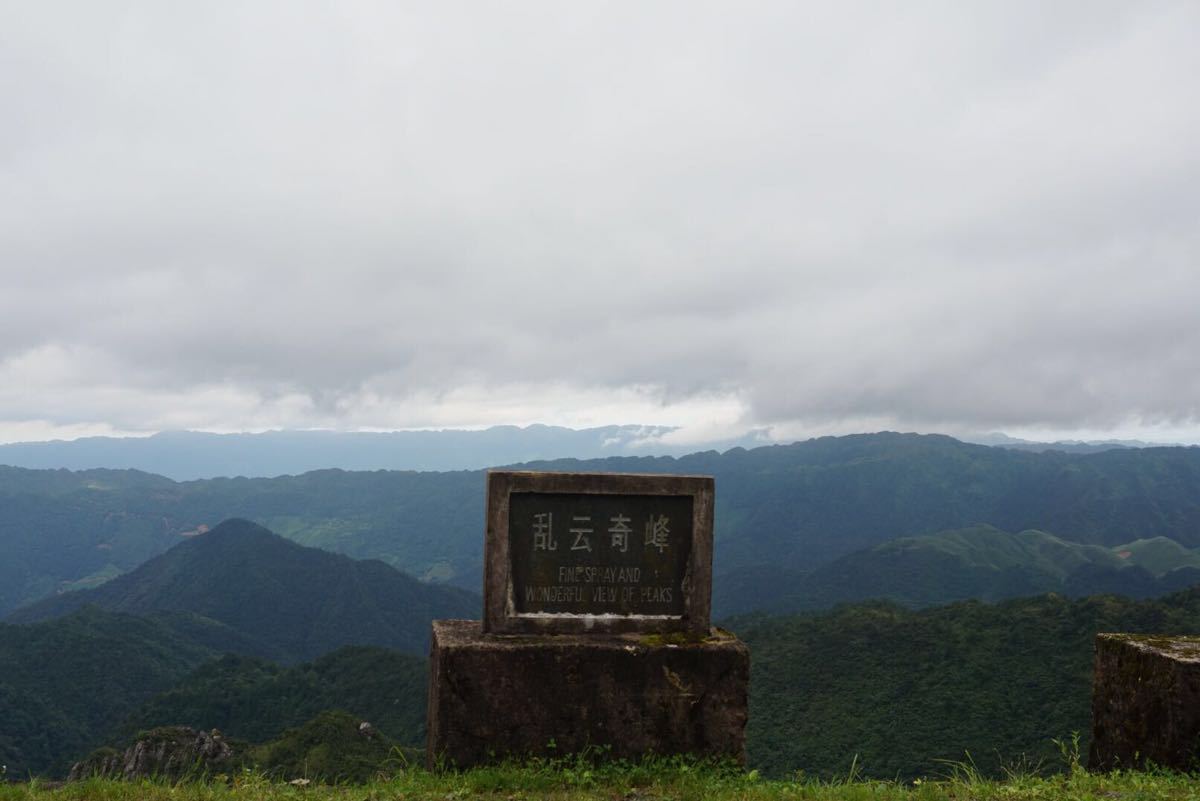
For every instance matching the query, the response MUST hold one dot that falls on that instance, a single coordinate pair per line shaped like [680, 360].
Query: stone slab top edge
[469, 633]
[1181, 647]
[578, 475]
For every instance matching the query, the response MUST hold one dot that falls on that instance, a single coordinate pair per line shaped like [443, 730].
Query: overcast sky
[803, 217]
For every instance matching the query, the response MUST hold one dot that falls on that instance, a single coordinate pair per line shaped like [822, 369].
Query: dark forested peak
[237, 534]
[239, 527]
[284, 601]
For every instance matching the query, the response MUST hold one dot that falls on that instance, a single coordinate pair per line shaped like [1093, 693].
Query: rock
[1146, 702]
[168, 751]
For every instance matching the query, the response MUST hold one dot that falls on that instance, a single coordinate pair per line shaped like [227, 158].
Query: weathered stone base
[1146, 702]
[495, 696]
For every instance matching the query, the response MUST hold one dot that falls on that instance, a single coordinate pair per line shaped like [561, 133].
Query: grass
[665, 779]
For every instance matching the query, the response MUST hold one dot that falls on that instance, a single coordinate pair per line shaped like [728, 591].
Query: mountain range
[132, 588]
[781, 511]
[189, 455]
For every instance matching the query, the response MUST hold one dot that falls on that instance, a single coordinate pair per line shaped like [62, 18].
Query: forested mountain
[291, 602]
[59, 528]
[253, 699]
[908, 691]
[980, 562]
[781, 510]
[65, 683]
[903, 690]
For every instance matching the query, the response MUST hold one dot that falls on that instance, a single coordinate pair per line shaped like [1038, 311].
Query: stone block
[1146, 702]
[495, 696]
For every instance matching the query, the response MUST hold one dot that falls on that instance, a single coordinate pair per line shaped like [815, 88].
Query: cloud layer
[930, 215]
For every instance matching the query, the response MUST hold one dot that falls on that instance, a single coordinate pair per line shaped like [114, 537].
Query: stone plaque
[576, 552]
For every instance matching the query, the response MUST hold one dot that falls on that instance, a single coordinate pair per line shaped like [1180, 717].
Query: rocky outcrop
[167, 752]
[1146, 702]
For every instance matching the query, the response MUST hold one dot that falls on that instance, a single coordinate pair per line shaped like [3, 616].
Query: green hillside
[60, 527]
[96, 678]
[905, 691]
[1159, 555]
[294, 603]
[63, 684]
[793, 508]
[892, 691]
[328, 748]
[980, 562]
[254, 700]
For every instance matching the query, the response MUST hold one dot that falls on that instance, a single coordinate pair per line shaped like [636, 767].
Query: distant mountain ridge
[1067, 446]
[789, 509]
[289, 602]
[191, 455]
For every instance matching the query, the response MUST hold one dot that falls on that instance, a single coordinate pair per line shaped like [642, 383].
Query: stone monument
[1146, 702]
[595, 630]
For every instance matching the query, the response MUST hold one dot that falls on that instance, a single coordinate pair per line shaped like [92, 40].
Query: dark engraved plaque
[600, 554]
[597, 552]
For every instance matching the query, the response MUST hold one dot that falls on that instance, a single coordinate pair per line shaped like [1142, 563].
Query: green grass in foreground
[650, 781]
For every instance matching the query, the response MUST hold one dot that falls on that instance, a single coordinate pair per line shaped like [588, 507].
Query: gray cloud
[931, 215]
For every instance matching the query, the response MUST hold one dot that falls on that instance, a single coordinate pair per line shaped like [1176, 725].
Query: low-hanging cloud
[390, 215]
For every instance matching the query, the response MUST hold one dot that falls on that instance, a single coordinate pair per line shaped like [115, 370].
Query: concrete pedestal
[1146, 702]
[495, 696]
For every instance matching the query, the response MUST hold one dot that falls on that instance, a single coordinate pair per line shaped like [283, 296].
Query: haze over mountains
[188, 455]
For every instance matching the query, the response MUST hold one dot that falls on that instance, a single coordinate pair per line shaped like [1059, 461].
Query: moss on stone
[679, 638]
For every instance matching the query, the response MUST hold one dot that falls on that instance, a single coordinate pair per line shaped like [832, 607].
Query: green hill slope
[980, 562]
[905, 691]
[902, 690]
[297, 603]
[64, 683]
[1159, 555]
[254, 700]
